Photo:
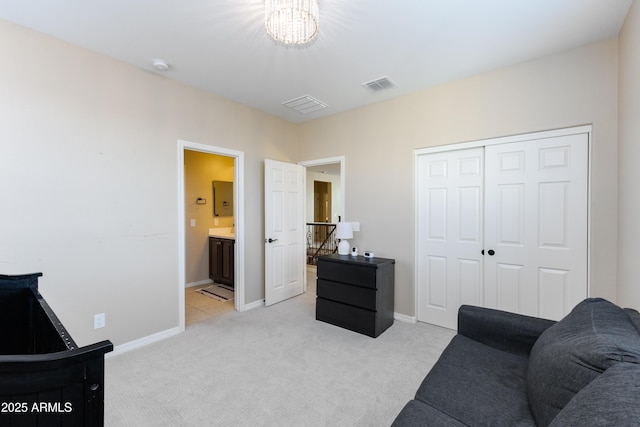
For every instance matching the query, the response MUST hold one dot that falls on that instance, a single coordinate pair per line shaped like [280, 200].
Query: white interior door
[536, 225]
[450, 234]
[284, 186]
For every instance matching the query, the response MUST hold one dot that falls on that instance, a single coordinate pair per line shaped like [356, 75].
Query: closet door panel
[554, 214]
[510, 214]
[470, 281]
[449, 234]
[554, 289]
[509, 285]
[536, 198]
[437, 282]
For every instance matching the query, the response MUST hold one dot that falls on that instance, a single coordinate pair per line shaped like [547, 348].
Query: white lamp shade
[344, 230]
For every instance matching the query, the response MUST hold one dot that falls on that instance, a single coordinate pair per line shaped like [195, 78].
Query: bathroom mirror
[222, 198]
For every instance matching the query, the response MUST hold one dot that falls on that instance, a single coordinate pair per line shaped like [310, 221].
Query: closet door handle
[270, 240]
[491, 252]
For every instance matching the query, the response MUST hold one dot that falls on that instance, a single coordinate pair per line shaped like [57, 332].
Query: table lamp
[344, 231]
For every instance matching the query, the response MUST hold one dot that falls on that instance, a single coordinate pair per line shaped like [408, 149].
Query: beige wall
[629, 154]
[88, 176]
[573, 88]
[88, 179]
[200, 169]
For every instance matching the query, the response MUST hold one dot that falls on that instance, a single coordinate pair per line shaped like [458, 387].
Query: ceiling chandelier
[292, 22]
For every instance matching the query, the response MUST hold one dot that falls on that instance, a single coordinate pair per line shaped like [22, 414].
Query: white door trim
[326, 161]
[505, 140]
[239, 300]
[494, 141]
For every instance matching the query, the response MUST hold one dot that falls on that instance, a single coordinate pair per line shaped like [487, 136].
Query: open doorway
[325, 203]
[321, 201]
[321, 208]
[199, 166]
[209, 235]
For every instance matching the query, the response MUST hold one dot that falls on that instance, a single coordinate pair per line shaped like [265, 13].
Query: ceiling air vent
[378, 85]
[305, 104]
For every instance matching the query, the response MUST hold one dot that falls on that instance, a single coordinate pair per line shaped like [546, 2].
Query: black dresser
[356, 293]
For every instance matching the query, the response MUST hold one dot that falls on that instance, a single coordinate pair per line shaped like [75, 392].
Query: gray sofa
[505, 369]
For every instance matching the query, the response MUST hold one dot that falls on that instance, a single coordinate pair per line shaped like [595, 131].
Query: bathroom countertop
[222, 233]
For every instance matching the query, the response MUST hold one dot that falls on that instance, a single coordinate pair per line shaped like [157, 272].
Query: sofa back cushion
[612, 399]
[634, 316]
[570, 354]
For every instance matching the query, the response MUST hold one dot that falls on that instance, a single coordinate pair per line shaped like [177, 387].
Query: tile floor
[200, 307]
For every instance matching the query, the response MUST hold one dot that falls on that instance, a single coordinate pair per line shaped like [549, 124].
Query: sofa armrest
[505, 331]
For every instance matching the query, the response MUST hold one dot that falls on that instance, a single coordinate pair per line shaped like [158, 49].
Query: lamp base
[343, 247]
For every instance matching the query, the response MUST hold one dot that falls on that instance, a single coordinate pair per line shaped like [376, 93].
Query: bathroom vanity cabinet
[221, 260]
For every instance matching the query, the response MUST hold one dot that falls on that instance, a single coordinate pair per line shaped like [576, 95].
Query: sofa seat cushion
[419, 414]
[478, 385]
[570, 354]
[612, 399]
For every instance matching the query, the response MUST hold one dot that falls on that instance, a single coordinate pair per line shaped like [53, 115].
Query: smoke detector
[160, 65]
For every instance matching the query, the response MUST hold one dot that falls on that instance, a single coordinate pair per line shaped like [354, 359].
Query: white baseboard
[404, 318]
[198, 283]
[150, 339]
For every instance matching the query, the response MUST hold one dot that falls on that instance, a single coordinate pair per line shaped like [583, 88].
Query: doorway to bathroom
[210, 212]
[209, 235]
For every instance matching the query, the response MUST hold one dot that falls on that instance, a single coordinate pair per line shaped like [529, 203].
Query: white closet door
[450, 227]
[536, 225]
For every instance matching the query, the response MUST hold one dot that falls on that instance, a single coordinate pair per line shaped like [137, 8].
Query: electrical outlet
[99, 321]
[193, 222]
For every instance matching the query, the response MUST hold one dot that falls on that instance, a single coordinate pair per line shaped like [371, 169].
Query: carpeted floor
[271, 366]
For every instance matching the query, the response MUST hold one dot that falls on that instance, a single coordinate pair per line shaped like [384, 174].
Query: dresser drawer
[359, 275]
[346, 316]
[352, 295]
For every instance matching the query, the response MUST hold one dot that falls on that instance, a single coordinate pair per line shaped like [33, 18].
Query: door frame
[495, 141]
[327, 161]
[238, 195]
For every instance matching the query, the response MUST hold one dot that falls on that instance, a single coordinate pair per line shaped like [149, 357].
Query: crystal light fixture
[292, 22]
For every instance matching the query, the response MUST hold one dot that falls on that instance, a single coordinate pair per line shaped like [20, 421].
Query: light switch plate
[99, 321]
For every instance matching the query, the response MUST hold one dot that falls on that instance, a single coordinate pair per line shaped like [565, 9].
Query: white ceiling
[221, 46]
